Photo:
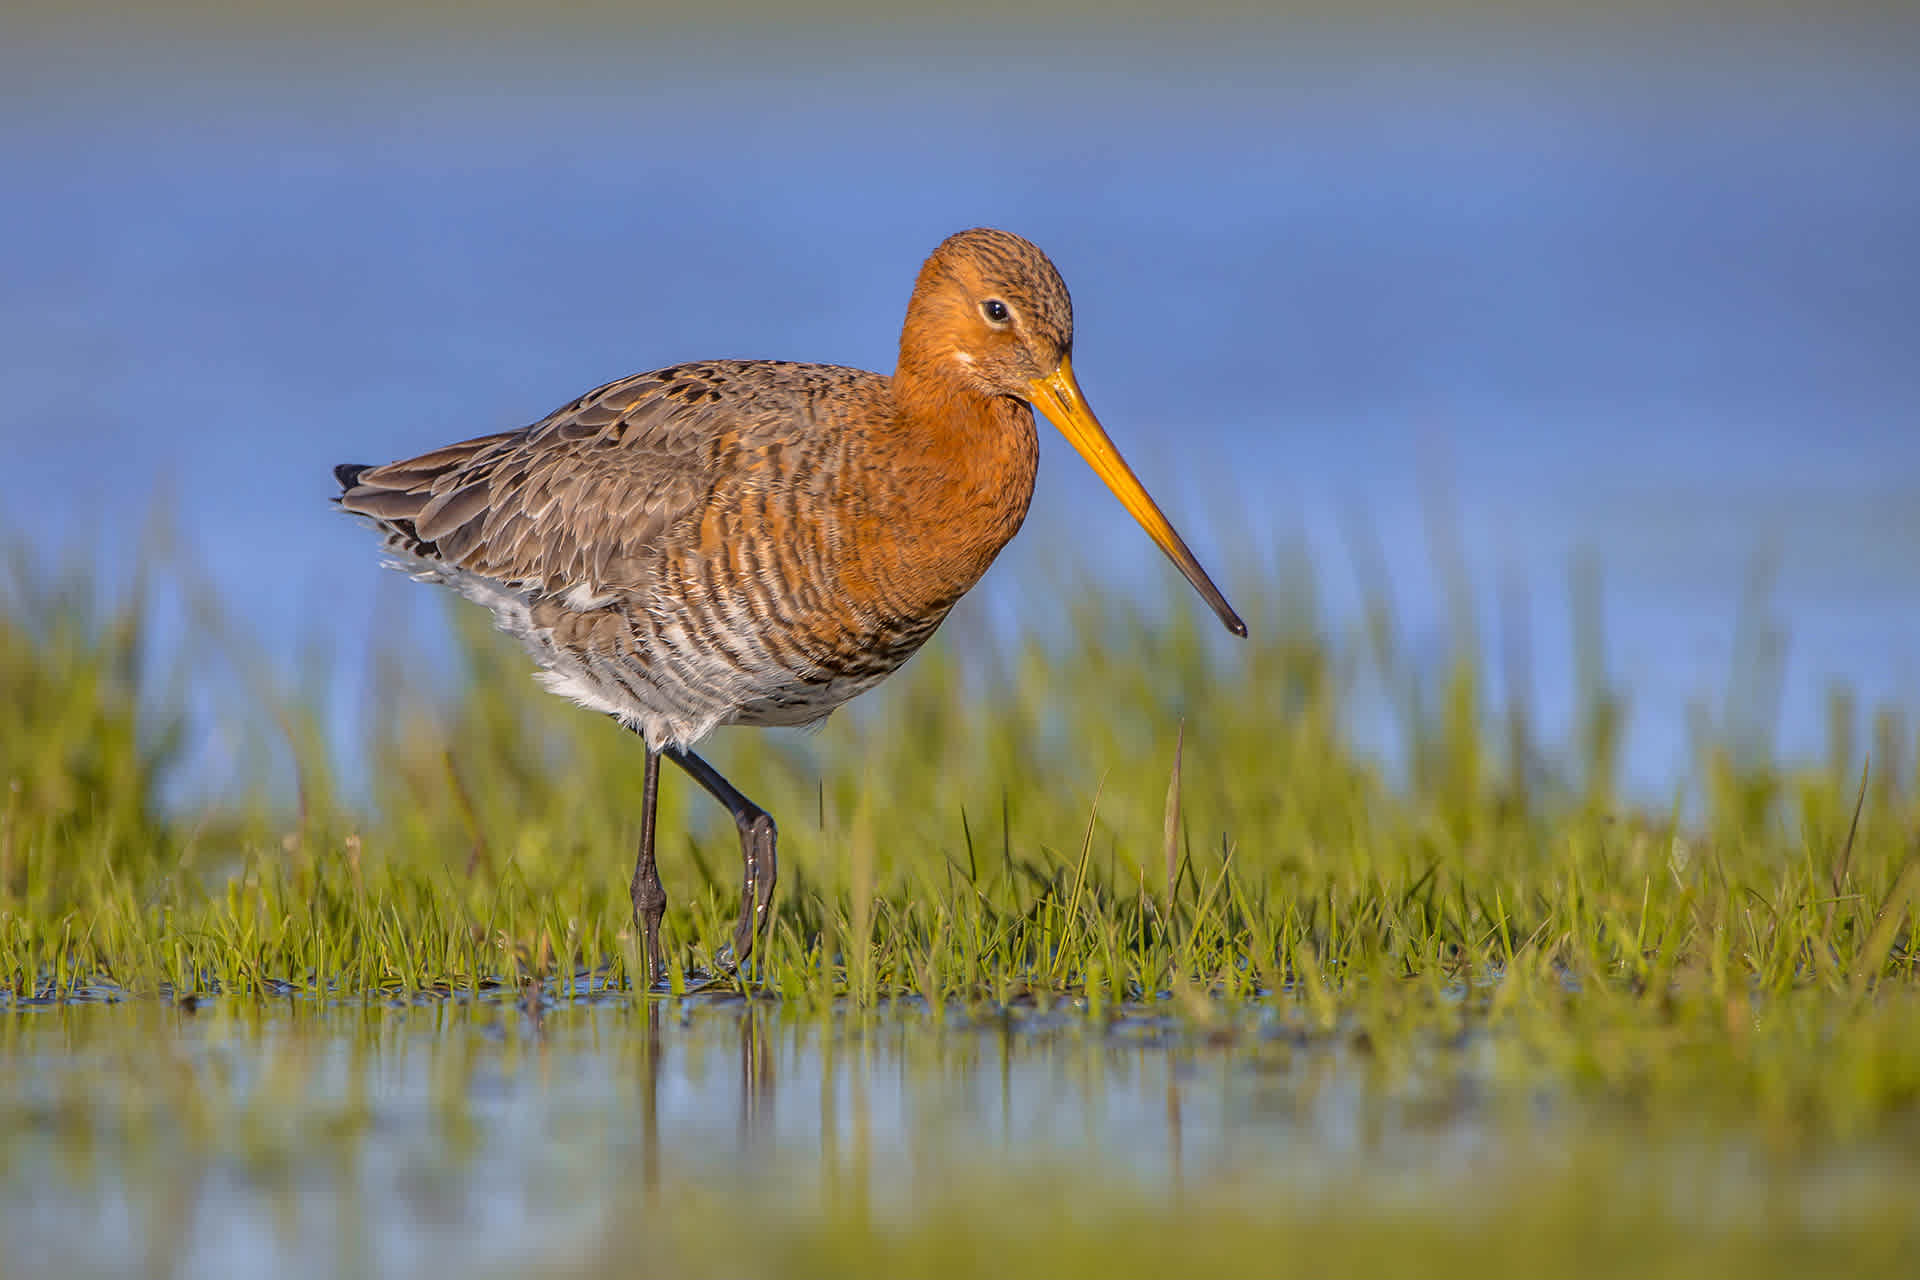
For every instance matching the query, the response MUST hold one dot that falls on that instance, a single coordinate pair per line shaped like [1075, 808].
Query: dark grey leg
[649, 896]
[757, 839]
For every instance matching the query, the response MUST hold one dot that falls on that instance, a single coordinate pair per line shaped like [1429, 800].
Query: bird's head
[991, 314]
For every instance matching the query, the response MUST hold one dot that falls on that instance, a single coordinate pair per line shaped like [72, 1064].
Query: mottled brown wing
[585, 498]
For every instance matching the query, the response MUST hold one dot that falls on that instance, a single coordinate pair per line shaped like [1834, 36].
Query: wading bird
[753, 541]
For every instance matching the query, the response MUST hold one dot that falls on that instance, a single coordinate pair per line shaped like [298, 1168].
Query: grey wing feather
[583, 497]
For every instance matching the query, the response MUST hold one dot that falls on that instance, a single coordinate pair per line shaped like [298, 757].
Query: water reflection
[651, 1051]
[503, 1135]
[346, 1137]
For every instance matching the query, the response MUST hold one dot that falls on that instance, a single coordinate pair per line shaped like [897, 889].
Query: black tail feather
[348, 473]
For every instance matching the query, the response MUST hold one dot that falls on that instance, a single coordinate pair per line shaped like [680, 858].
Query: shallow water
[495, 1135]
[407, 1138]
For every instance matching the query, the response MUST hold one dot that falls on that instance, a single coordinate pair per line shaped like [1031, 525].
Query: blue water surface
[1501, 296]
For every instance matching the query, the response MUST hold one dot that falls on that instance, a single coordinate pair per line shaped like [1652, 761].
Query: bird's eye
[995, 311]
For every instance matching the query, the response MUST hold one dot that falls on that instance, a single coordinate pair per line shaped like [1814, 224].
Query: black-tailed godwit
[755, 542]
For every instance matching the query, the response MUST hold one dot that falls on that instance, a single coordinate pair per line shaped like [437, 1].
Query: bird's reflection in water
[755, 1083]
[757, 1079]
[651, 1054]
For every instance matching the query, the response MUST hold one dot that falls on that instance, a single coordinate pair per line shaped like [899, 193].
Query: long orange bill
[1058, 396]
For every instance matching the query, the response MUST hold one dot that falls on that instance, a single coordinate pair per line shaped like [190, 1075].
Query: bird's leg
[649, 896]
[757, 838]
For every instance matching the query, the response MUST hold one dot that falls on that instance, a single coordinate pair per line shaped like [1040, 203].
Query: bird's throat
[962, 473]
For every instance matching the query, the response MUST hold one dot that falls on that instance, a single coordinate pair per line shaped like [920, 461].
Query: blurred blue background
[1641, 288]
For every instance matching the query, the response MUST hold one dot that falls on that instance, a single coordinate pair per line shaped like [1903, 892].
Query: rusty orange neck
[962, 467]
